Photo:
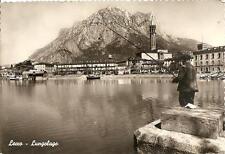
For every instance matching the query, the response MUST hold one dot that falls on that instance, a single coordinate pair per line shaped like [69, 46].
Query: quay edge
[151, 139]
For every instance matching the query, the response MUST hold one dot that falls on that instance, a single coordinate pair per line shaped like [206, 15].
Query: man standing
[187, 82]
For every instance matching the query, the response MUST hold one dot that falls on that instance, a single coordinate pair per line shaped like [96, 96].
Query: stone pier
[183, 131]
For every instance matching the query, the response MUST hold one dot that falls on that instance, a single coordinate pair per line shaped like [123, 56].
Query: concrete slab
[206, 123]
[152, 140]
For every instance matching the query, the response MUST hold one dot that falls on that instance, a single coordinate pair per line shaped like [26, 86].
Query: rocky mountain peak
[96, 37]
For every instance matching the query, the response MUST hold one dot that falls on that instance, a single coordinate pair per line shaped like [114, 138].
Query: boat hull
[93, 77]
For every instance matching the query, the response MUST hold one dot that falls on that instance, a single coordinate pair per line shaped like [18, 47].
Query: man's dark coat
[186, 79]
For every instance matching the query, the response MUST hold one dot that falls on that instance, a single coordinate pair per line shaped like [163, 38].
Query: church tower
[152, 32]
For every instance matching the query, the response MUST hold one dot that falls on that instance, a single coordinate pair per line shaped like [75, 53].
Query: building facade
[49, 68]
[87, 67]
[152, 64]
[210, 60]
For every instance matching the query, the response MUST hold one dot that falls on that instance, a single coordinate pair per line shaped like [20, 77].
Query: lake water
[88, 117]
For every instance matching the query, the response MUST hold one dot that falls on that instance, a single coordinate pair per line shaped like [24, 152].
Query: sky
[26, 27]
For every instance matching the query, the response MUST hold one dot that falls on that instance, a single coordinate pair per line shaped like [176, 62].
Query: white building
[49, 68]
[210, 60]
[152, 60]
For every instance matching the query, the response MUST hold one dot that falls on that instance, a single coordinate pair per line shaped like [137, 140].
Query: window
[206, 56]
[196, 57]
[212, 62]
[212, 55]
[201, 62]
[200, 57]
[218, 68]
[207, 63]
[218, 55]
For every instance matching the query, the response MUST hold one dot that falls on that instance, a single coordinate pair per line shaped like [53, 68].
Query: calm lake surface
[88, 117]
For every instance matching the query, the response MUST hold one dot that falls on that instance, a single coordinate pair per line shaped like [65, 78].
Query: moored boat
[12, 78]
[92, 77]
[15, 77]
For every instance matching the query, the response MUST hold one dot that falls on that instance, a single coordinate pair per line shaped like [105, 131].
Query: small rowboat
[92, 77]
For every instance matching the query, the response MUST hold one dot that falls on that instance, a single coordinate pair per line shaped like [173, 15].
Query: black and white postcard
[112, 77]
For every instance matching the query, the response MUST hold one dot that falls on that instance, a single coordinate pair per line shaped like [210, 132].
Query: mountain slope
[94, 38]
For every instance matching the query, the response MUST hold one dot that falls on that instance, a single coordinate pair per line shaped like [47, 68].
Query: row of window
[76, 69]
[207, 63]
[207, 56]
[84, 65]
[208, 69]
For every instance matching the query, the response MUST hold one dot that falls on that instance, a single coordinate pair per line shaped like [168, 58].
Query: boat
[12, 77]
[15, 77]
[19, 77]
[204, 76]
[222, 77]
[92, 77]
[217, 75]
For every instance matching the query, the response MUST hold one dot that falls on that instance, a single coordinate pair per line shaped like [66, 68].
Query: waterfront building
[153, 61]
[167, 56]
[5, 72]
[49, 68]
[123, 67]
[209, 60]
[202, 46]
[1, 71]
[86, 67]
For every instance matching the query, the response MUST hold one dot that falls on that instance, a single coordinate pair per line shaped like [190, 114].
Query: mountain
[100, 35]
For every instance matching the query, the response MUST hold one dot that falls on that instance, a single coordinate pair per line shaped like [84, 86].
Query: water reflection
[88, 116]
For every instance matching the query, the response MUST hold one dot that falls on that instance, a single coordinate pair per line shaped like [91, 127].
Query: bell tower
[152, 33]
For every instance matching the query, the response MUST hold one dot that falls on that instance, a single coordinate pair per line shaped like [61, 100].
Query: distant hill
[90, 38]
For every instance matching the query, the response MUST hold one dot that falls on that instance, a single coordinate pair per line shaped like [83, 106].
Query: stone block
[207, 123]
[153, 140]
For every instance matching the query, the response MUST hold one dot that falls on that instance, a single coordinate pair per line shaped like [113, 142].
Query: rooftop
[211, 50]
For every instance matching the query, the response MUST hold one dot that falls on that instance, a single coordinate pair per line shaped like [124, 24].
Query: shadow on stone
[208, 147]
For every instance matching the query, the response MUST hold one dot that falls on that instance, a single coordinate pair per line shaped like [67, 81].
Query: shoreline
[109, 77]
[103, 77]
[138, 76]
[65, 77]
